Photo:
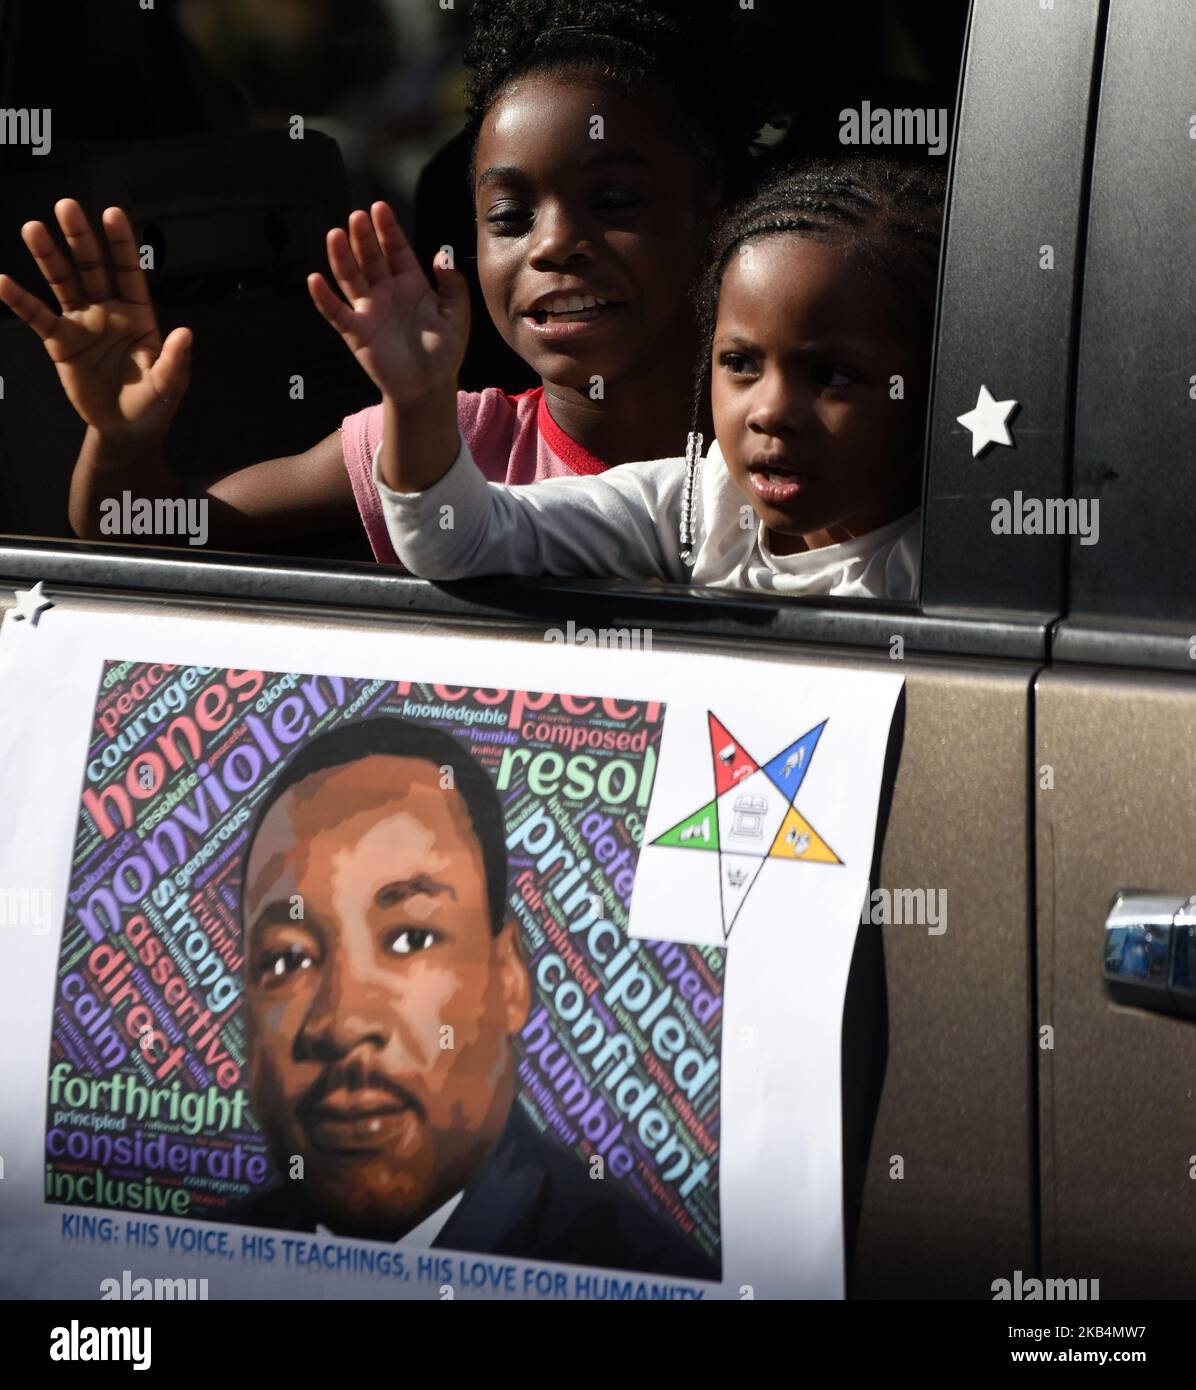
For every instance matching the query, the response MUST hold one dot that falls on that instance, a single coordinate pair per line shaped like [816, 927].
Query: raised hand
[120, 376]
[408, 336]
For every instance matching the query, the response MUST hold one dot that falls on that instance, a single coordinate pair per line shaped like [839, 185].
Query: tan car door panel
[1118, 1087]
[956, 1105]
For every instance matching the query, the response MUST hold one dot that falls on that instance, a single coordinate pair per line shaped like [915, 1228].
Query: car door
[950, 1199]
[1115, 715]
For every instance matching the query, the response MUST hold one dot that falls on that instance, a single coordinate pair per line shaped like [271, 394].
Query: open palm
[105, 344]
[409, 336]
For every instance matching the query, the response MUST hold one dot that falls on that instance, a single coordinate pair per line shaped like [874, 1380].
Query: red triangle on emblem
[731, 763]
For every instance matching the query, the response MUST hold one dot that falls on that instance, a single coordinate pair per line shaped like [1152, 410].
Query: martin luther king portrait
[385, 988]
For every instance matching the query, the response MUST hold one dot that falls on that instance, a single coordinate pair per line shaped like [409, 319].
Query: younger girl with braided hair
[816, 310]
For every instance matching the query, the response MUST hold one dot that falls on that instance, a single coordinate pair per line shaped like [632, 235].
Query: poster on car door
[355, 964]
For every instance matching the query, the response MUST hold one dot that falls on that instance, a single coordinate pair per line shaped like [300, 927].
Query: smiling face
[805, 346]
[380, 1022]
[587, 246]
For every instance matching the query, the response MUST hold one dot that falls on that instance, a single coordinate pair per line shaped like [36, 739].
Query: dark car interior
[236, 209]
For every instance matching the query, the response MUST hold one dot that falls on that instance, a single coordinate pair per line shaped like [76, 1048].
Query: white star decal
[31, 603]
[987, 422]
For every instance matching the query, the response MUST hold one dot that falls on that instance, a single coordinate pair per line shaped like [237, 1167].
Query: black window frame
[1132, 597]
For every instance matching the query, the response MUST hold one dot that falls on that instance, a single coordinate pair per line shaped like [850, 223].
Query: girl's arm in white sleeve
[622, 524]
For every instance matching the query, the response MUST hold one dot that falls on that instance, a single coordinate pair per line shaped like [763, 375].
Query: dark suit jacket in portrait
[534, 1200]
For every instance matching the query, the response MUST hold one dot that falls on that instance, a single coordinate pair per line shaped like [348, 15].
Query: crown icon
[736, 877]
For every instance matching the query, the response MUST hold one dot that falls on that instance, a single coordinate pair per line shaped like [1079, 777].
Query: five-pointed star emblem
[752, 816]
[988, 422]
[31, 603]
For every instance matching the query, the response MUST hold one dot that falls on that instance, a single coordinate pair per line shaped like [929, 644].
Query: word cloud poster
[392, 974]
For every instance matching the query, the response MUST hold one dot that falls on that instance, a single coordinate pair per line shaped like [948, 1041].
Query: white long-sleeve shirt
[625, 524]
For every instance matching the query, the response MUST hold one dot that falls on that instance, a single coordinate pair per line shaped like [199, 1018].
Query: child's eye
[508, 218]
[737, 364]
[835, 377]
[616, 200]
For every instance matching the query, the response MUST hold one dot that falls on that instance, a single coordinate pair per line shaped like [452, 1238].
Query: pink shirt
[513, 439]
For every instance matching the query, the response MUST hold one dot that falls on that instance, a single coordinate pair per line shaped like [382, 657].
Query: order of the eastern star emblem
[752, 816]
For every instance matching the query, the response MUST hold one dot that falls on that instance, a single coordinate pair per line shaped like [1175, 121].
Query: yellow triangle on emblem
[797, 839]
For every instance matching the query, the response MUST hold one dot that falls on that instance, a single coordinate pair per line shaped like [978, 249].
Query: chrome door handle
[1150, 950]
